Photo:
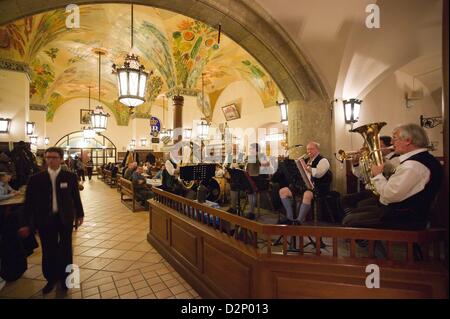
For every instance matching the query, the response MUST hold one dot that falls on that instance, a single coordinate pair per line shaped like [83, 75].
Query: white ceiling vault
[352, 59]
[343, 57]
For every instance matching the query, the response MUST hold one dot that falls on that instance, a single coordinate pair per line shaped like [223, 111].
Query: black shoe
[48, 287]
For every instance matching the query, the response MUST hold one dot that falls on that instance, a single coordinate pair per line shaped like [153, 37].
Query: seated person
[256, 162]
[219, 171]
[130, 170]
[367, 197]
[158, 175]
[114, 170]
[406, 197]
[148, 169]
[6, 191]
[319, 168]
[143, 193]
[169, 179]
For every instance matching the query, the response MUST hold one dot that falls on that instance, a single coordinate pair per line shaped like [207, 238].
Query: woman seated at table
[6, 191]
[158, 175]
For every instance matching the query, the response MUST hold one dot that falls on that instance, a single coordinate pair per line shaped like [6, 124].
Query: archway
[244, 21]
[100, 148]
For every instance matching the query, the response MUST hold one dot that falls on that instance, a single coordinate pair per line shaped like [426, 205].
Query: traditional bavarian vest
[323, 183]
[415, 209]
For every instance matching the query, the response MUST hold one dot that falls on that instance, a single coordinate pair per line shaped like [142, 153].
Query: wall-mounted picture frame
[85, 117]
[231, 112]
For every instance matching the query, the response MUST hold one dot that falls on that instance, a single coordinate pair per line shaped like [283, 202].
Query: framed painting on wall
[85, 117]
[230, 112]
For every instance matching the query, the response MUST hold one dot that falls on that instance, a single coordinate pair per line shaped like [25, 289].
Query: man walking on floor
[52, 204]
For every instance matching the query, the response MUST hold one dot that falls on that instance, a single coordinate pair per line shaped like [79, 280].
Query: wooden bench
[109, 179]
[126, 189]
[100, 173]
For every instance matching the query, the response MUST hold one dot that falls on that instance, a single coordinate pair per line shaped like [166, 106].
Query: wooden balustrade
[227, 256]
[260, 237]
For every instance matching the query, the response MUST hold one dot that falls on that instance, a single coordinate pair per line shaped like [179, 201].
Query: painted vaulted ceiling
[178, 49]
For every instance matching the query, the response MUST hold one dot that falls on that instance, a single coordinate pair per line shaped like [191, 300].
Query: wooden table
[154, 182]
[15, 200]
[7, 205]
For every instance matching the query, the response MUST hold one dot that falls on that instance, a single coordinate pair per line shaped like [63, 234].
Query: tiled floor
[114, 257]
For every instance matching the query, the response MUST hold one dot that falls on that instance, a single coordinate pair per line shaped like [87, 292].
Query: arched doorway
[100, 148]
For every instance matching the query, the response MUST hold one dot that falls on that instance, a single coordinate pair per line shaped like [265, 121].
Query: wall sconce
[170, 133]
[133, 143]
[4, 125]
[430, 122]
[143, 142]
[33, 140]
[187, 133]
[30, 128]
[351, 110]
[283, 111]
[46, 141]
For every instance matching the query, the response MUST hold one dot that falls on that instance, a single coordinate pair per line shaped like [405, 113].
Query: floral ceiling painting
[178, 49]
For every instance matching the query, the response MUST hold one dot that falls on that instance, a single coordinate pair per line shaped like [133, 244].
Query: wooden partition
[226, 256]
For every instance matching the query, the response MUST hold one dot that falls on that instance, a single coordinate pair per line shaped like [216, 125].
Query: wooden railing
[259, 237]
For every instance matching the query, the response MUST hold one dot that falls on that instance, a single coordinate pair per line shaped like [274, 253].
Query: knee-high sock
[251, 202]
[287, 203]
[304, 210]
[233, 199]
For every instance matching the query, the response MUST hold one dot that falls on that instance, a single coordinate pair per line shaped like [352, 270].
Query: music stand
[199, 172]
[243, 182]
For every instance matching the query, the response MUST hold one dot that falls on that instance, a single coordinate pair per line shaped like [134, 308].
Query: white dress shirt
[322, 167]
[53, 174]
[409, 178]
[390, 165]
[390, 155]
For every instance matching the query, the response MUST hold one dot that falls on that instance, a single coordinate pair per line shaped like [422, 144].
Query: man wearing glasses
[407, 196]
[52, 205]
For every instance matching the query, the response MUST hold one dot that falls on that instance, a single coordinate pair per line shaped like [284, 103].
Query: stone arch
[244, 21]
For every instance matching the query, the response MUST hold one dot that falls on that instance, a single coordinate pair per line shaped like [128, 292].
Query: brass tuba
[372, 155]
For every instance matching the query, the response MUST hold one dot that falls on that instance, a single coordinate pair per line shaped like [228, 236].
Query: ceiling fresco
[178, 49]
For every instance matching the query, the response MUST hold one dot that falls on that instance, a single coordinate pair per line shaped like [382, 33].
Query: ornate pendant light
[99, 118]
[131, 77]
[203, 126]
[88, 132]
[163, 132]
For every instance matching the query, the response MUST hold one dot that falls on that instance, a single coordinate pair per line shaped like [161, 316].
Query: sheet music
[306, 176]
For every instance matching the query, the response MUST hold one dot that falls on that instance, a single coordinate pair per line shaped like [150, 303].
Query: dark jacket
[38, 199]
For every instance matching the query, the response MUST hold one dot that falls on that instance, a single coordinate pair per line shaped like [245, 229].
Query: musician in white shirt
[367, 197]
[319, 169]
[407, 196]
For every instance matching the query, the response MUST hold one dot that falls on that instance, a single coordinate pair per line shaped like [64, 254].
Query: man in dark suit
[52, 204]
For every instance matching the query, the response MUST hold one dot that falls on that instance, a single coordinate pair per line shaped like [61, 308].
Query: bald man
[319, 168]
